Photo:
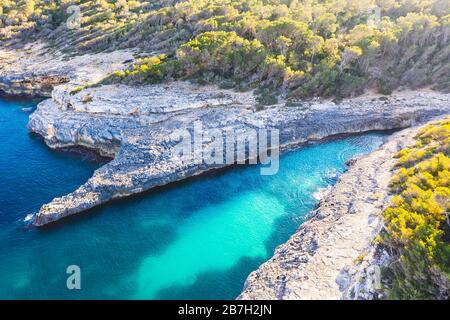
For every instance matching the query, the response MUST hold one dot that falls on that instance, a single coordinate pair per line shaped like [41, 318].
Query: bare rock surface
[33, 71]
[135, 125]
[331, 256]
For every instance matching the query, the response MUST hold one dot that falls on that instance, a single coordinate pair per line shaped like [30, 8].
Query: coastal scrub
[418, 219]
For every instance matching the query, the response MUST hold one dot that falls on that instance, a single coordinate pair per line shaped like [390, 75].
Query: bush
[417, 222]
[224, 53]
[326, 48]
[146, 70]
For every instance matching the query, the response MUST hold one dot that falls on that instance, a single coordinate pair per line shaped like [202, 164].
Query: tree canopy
[298, 48]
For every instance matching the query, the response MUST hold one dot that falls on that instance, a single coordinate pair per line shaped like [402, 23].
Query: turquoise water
[192, 240]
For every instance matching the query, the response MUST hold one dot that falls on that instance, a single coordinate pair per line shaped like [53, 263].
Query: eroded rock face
[40, 86]
[331, 256]
[135, 125]
[32, 71]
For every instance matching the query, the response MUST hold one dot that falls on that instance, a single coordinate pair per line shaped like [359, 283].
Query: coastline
[139, 138]
[133, 126]
[332, 255]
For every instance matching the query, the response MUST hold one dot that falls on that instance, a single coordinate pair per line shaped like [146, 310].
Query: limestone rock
[345, 263]
[135, 126]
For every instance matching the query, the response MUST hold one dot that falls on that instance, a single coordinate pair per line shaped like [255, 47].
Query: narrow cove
[196, 239]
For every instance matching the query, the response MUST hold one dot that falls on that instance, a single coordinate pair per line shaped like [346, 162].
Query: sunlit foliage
[418, 220]
[296, 47]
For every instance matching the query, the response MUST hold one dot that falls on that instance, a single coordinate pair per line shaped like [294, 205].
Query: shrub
[224, 53]
[146, 70]
[328, 48]
[417, 221]
[76, 90]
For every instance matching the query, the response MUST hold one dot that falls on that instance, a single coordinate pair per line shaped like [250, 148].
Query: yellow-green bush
[146, 70]
[334, 47]
[417, 221]
[224, 53]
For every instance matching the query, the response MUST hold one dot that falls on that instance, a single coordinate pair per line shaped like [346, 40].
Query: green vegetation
[76, 90]
[295, 47]
[418, 220]
[145, 70]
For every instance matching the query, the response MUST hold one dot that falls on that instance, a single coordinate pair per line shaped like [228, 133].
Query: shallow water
[191, 240]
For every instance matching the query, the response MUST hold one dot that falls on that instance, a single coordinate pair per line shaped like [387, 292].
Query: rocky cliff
[332, 256]
[33, 71]
[134, 125]
[329, 257]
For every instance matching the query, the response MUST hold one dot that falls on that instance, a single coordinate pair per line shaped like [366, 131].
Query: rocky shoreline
[332, 255]
[135, 125]
[32, 71]
[329, 257]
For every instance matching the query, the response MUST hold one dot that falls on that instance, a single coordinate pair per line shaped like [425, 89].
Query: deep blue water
[196, 239]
